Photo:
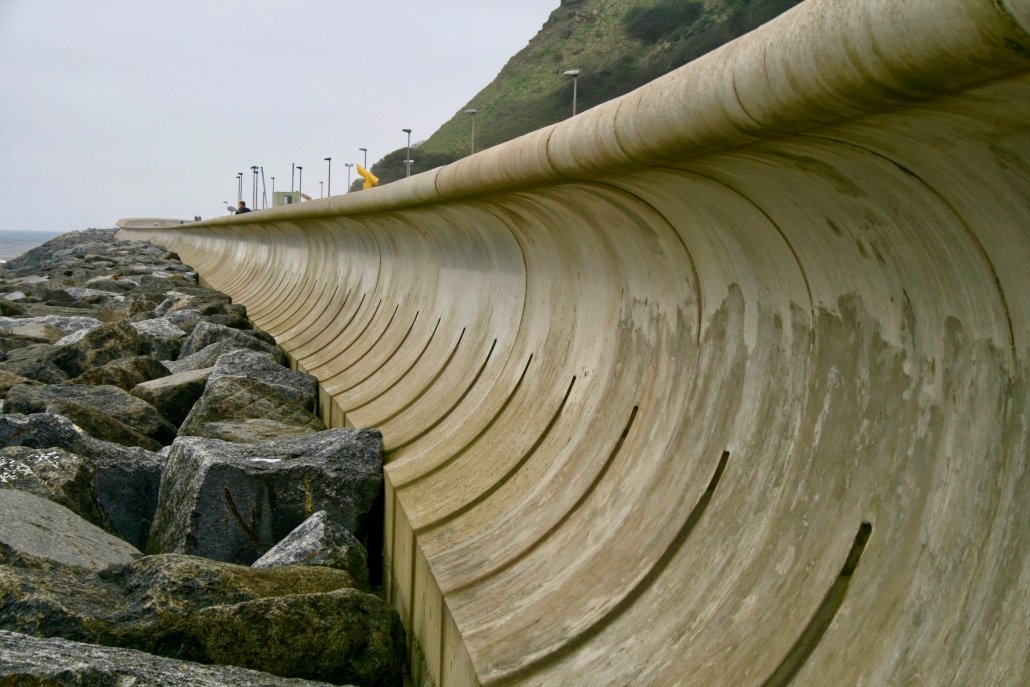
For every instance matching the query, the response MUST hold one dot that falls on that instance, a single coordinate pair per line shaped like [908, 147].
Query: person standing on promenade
[243, 208]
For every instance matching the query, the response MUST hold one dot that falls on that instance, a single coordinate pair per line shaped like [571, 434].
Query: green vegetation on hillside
[618, 46]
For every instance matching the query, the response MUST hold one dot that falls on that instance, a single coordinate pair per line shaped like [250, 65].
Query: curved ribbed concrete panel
[721, 383]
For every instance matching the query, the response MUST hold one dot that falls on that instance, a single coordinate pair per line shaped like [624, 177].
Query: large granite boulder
[174, 395]
[163, 339]
[299, 387]
[205, 357]
[125, 480]
[100, 345]
[53, 474]
[56, 662]
[256, 430]
[38, 533]
[39, 371]
[9, 379]
[100, 425]
[232, 502]
[229, 399]
[367, 649]
[309, 620]
[319, 541]
[124, 373]
[206, 333]
[116, 403]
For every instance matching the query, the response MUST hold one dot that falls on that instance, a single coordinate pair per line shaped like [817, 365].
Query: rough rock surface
[183, 607]
[123, 373]
[99, 424]
[320, 646]
[241, 398]
[54, 662]
[205, 357]
[53, 474]
[319, 541]
[174, 395]
[299, 387]
[217, 498]
[125, 480]
[35, 532]
[110, 400]
[206, 333]
[100, 345]
[256, 430]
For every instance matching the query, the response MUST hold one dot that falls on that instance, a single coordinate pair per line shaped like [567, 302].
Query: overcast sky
[149, 108]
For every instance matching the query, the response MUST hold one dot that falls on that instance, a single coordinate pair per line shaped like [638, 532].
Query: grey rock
[53, 474]
[205, 334]
[109, 400]
[319, 541]
[125, 480]
[154, 603]
[232, 502]
[174, 395]
[124, 373]
[297, 386]
[40, 371]
[9, 379]
[162, 338]
[63, 324]
[340, 636]
[32, 353]
[55, 662]
[254, 431]
[35, 532]
[159, 326]
[100, 345]
[205, 357]
[99, 425]
[242, 398]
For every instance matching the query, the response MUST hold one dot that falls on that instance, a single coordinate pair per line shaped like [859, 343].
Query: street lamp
[329, 185]
[239, 187]
[300, 180]
[574, 73]
[407, 158]
[273, 188]
[348, 165]
[321, 189]
[365, 151]
[254, 168]
[472, 111]
[293, 173]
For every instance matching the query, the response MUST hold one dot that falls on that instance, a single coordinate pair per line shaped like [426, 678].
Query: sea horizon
[15, 242]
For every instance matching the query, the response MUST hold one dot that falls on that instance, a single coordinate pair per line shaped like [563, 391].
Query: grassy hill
[618, 45]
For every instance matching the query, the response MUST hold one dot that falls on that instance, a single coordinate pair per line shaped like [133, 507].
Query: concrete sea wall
[723, 382]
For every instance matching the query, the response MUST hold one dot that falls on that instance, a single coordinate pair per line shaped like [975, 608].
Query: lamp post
[321, 189]
[574, 73]
[365, 151]
[472, 111]
[293, 173]
[254, 168]
[407, 158]
[239, 187]
[300, 180]
[273, 188]
[348, 165]
[329, 178]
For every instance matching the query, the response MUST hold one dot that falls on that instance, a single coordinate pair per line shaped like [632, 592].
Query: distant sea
[13, 243]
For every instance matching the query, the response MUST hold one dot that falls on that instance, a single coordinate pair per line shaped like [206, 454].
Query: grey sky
[148, 108]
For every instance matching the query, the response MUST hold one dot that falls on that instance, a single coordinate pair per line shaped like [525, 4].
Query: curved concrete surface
[721, 383]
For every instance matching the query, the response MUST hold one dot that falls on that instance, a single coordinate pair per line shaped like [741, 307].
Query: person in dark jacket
[243, 208]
